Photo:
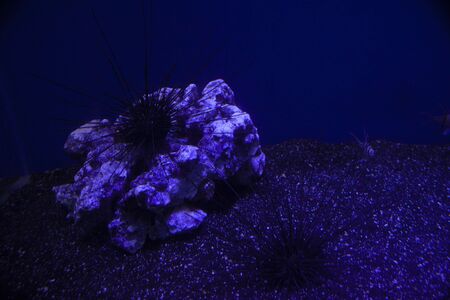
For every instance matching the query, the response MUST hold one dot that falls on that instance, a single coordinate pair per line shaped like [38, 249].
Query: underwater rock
[128, 231]
[193, 140]
[184, 219]
[89, 135]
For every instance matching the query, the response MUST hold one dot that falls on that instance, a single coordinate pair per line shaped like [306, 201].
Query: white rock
[184, 219]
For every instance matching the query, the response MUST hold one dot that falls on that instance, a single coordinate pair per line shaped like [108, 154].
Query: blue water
[302, 69]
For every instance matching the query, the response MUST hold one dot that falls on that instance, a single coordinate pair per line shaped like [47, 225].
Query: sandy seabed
[384, 221]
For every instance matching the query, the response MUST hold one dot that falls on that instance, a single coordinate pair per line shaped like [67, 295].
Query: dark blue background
[303, 68]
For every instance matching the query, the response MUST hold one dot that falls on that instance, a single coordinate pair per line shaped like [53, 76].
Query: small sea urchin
[280, 248]
[292, 241]
[292, 260]
[147, 122]
[147, 125]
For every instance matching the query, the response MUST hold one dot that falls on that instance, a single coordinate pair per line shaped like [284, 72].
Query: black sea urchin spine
[292, 249]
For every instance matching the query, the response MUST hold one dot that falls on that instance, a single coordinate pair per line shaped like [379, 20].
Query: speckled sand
[385, 219]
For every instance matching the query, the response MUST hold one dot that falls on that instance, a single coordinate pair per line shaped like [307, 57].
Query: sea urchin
[293, 260]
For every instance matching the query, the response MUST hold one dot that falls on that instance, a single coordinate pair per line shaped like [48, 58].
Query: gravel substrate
[384, 221]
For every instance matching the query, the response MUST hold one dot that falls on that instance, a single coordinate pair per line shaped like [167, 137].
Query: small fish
[16, 185]
[365, 146]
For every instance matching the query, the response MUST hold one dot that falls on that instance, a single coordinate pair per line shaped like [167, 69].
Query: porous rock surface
[220, 143]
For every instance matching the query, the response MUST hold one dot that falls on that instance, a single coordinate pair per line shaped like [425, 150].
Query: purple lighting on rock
[149, 184]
